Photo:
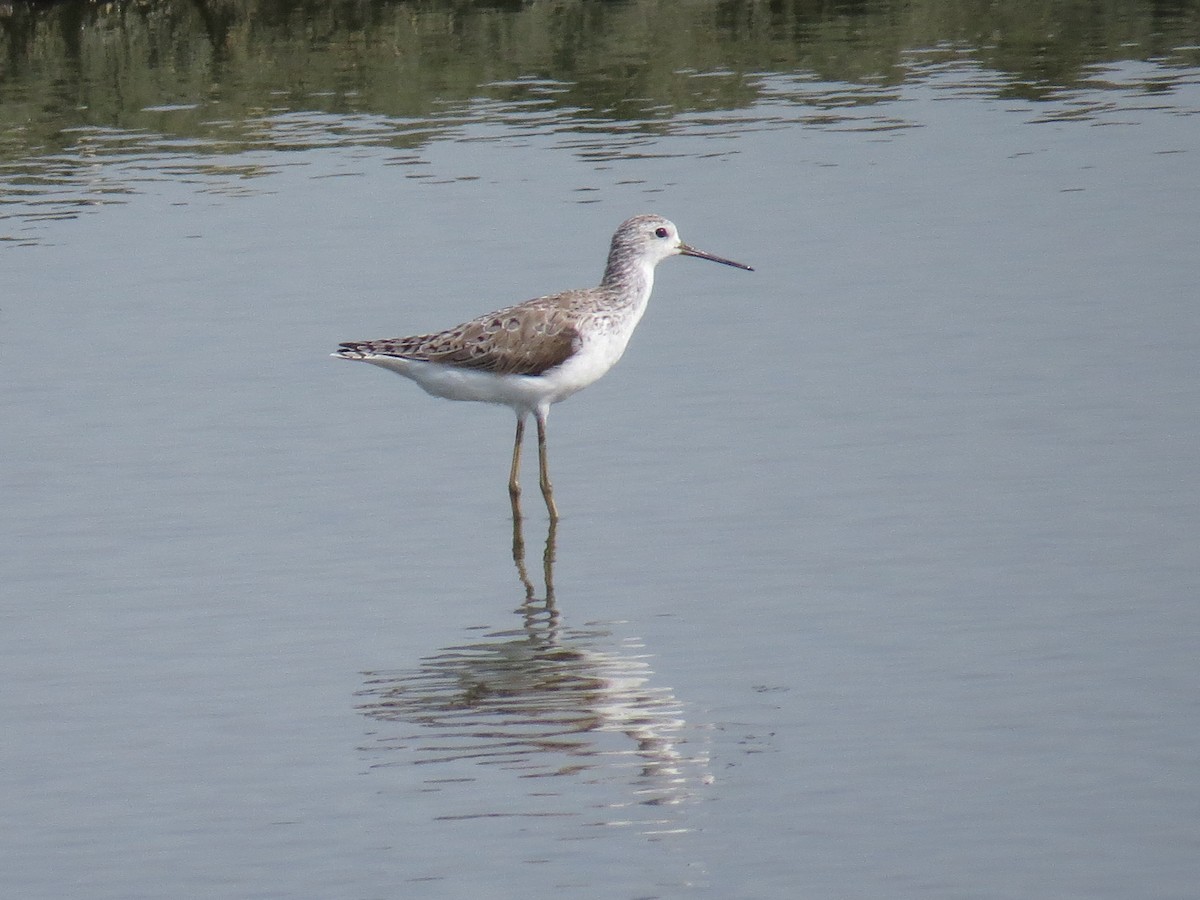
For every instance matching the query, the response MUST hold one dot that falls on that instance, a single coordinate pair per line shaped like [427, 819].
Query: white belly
[524, 393]
[603, 344]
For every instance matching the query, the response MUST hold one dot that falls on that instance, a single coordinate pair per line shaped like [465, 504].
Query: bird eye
[661, 232]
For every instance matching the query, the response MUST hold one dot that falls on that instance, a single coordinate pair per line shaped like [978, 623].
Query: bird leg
[548, 565]
[514, 485]
[547, 487]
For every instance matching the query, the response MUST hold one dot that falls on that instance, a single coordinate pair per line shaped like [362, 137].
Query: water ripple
[94, 166]
[562, 710]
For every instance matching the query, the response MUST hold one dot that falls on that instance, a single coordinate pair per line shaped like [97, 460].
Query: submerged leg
[547, 487]
[518, 549]
[514, 485]
[548, 563]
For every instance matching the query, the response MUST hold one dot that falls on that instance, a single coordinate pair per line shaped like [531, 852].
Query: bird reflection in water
[545, 701]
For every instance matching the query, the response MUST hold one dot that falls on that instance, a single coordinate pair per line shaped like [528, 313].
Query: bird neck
[628, 279]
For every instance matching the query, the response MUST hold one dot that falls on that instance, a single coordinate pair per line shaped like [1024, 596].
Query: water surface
[876, 575]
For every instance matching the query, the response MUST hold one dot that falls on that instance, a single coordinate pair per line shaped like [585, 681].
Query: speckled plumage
[526, 339]
[537, 353]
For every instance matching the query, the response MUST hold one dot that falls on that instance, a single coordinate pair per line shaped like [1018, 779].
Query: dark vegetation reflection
[549, 703]
[212, 69]
[96, 99]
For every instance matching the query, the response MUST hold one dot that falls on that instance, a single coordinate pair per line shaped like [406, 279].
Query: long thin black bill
[700, 254]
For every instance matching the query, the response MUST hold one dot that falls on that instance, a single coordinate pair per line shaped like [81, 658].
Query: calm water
[877, 573]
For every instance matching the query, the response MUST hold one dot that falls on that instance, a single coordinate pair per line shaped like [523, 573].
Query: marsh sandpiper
[539, 352]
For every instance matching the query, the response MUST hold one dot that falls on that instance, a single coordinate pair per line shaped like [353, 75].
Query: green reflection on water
[192, 85]
[203, 69]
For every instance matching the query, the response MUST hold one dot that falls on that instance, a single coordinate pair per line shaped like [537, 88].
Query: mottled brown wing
[522, 340]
